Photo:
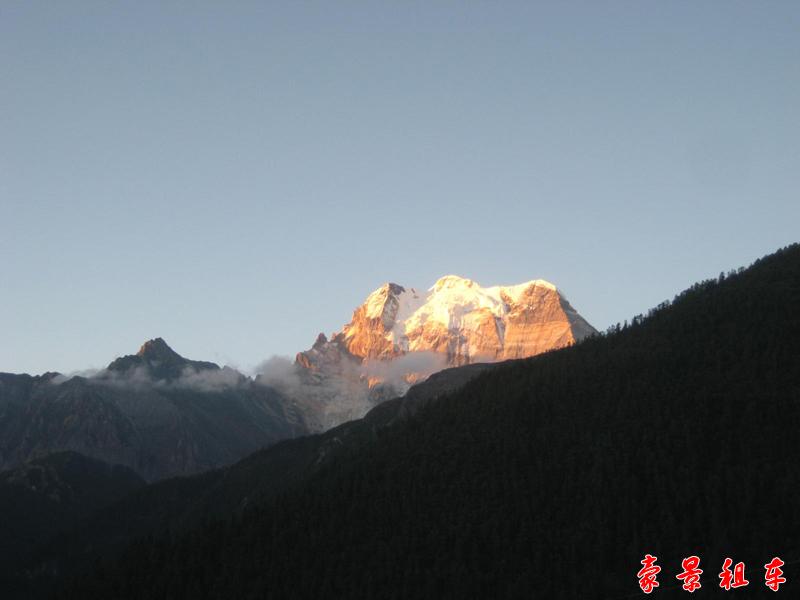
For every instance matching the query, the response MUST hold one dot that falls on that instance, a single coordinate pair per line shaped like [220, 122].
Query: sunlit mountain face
[400, 336]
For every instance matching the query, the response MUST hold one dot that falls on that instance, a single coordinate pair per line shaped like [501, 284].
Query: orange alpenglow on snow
[456, 319]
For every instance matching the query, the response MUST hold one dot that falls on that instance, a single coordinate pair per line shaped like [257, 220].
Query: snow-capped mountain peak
[400, 335]
[462, 320]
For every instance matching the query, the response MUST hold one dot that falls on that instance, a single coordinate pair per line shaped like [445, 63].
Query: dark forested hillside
[548, 477]
[49, 495]
[179, 504]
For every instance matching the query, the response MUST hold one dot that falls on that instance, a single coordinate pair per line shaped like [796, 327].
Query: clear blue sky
[237, 177]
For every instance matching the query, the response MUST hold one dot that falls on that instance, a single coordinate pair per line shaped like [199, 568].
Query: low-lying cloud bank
[190, 378]
[396, 371]
[282, 373]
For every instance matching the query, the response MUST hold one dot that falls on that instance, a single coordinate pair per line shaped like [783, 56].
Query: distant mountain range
[164, 415]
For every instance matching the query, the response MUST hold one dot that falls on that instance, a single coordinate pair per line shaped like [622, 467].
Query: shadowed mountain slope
[155, 412]
[53, 494]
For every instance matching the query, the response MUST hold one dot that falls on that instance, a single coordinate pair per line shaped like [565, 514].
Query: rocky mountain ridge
[158, 361]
